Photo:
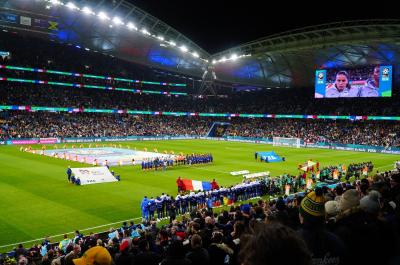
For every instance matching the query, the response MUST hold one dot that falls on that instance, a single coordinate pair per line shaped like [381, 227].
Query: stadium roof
[116, 28]
[287, 59]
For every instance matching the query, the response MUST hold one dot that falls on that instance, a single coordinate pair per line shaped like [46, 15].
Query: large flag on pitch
[196, 185]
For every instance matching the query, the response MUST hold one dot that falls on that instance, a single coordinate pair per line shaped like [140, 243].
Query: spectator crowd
[20, 124]
[328, 224]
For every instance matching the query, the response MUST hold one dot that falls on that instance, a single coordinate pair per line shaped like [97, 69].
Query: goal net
[282, 141]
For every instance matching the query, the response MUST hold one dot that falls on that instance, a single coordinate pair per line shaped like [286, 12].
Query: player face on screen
[341, 81]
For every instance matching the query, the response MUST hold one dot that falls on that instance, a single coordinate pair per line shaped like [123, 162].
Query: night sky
[219, 25]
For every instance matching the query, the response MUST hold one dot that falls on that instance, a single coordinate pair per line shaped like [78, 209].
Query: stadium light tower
[208, 81]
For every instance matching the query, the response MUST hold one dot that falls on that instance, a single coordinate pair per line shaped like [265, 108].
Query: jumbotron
[120, 145]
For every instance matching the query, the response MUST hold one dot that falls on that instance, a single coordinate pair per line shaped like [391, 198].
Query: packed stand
[20, 124]
[323, 131]
[33, 125]
[285, 101]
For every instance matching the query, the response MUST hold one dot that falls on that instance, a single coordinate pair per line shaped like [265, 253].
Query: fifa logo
[385, 74]
[320, 77]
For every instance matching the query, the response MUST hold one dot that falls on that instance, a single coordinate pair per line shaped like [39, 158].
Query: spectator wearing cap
[124, 257]
[324, 245]
[94, 256]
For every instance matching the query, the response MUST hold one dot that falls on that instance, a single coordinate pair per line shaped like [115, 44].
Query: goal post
[283, 141]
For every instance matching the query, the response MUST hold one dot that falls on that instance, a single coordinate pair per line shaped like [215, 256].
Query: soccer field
[36, 199]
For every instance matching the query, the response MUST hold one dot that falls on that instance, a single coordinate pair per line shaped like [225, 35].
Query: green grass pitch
[36, 199]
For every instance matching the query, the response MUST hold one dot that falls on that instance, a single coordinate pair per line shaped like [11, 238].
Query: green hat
[313, 205]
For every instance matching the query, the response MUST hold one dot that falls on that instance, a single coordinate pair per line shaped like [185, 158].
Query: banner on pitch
[269, 157]
[93, 175]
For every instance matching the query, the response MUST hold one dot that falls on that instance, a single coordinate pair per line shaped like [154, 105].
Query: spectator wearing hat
[95, 256]
[350, 199]
[124, 257]
[331, 210]
[323, 244]
[370, 204]
[357, 223]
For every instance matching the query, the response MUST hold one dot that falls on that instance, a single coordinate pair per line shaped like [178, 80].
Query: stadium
[123, 141]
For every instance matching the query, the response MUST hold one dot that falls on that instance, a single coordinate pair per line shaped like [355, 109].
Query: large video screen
[365, 82]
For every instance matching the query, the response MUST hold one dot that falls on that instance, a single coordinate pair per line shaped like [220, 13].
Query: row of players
[164, 162]
[165, 206]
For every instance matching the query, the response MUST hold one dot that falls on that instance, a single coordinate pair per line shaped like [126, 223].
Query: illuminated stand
[200, 114]
[74, 85]
[56, 72]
